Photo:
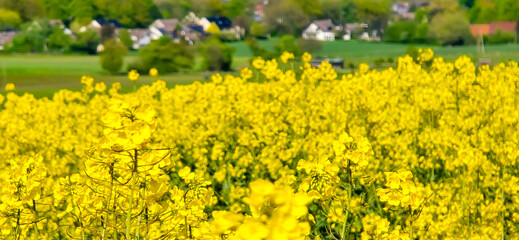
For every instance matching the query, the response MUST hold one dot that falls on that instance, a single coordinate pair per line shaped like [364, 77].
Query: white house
[167, 25]
[140, 37]
[6, 38]
[322, 30]
[204, 23]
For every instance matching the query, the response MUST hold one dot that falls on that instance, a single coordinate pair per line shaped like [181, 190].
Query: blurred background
[47, 45]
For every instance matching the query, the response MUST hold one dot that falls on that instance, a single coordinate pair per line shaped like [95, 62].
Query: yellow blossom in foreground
[246, 73]
[258, 63]
[100, 87]
[9, 86]
[307, 57]
[305, 153]
[133, 75]
[154, 72]
[286, 56]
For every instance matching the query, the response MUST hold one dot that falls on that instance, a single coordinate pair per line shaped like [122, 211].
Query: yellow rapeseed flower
[9, 87]
[258, 63]
[133, 75]
[154, 72]
[307, 57]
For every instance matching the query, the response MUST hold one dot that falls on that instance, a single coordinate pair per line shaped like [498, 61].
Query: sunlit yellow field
[427, 150]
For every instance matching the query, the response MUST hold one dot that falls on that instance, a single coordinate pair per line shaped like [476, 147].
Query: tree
[27, 9]
[32, 37]
[112, 57]
[374, 12]
[309, 45]
[350, 10]
[403, 32]
[56, 9]
[134, 14]
[58, 40]
[126, 38]
[257, 29]
[258, 50]
[208, 7]
[86, 41]
[288, 43]
[242, 21]
[216, 55]
[467, 3]
[107, 32]
[9, 19]
[165, 55]
[234, 8]
[82, 10]
[334, 10]
[285, 17]
[450, 28]
[309, 7]
[174, 8]
[507, 10]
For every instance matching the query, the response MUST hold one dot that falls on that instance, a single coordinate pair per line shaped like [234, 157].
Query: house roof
[325, 25]
[112, 22]
[169, 24]
[221, 22]
[139, 32]
[477, 29]
[195, 28]
[503, 26]
[421, 3]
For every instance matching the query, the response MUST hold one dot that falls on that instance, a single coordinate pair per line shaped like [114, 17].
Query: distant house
[400, 8]
[140, 36]
[502, 26]
[156, 33]
[479, 29]
[58, 23]
[322, 30]
[492, 28]
[223, 23]
[192, 33]
[351, 29]
[96, 25]
[167, 26]
[259, 14]
[6, 38]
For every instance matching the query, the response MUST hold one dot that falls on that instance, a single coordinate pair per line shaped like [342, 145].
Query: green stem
[108, 202]
[35, 220]
[350, 189]
[504, 209]
[410, 223]
[130, 205]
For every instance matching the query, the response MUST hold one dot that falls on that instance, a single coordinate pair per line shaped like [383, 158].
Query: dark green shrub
[165, 55]
[216, 55]
[112, 58]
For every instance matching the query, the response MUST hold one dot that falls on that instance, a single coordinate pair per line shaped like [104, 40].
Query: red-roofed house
[492, 28]
[502, 26]
[479, 29]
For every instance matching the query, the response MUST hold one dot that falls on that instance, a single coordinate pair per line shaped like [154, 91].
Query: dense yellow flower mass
[425, 150]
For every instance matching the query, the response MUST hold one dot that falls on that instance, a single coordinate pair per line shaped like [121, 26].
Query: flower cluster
[276, 151]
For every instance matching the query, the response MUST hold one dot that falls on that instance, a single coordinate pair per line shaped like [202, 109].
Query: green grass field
[42, 75]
